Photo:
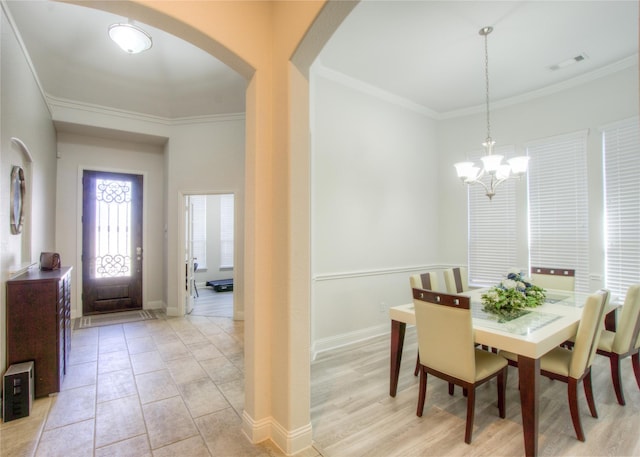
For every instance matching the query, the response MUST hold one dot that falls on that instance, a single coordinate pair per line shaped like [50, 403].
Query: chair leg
[451, 386]
[416, 371]
[588, 392]
[422, 392]
[573, 407]
[614, 360]
[635, 361]
[471, 405]
[502, 389]
[196, 288]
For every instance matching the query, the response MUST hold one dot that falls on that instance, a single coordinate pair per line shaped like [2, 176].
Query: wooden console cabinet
[39, 325]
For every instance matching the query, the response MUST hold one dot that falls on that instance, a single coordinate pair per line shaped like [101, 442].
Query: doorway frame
[78, 285]
[182, 239]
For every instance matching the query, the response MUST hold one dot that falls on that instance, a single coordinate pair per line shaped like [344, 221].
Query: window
[621, 150]
[492, 230]
[558, 205]
[199, 230]
[226, 231]
[113, 234]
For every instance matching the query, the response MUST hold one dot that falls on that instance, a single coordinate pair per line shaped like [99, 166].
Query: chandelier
[493, 171]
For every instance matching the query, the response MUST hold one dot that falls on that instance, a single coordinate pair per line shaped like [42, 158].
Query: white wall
[375, 199]
[203, 159]
[589, 105]
[81, 152]
[386, 201]
[23, 114]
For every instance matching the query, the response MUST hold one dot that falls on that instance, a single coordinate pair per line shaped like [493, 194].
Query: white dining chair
[574, 366]
[554, 278]
[624, 341]
[456, 280]
[447, 350]
[428, 281]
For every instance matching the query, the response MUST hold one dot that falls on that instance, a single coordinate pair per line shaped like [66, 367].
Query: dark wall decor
[17, 199]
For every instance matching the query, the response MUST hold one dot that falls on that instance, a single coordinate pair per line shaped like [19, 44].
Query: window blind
[226, 230]
[492, 230]
[199, 229]
[621, 154]
[558, 205]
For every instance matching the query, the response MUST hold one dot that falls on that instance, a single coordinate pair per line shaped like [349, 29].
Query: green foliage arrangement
[513, 295]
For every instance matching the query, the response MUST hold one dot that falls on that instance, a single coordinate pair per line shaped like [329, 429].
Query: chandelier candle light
[492, 163]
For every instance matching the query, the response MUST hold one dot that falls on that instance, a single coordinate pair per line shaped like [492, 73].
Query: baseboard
[345, 339]
[290, 442]
[173, 311]
[256, 431]
[157, 304]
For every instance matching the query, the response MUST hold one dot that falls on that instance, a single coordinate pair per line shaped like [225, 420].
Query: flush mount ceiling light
[130, 38]
[493, 171]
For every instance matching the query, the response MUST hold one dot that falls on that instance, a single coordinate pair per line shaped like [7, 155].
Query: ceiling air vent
[566, 63]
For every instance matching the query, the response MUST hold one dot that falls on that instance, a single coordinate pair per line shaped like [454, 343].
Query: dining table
[530, 336]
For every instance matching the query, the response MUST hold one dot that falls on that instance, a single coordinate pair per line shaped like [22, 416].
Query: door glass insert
[113, 228]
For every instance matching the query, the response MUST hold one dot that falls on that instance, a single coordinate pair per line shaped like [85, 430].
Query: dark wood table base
[528, 370]
[397, 343]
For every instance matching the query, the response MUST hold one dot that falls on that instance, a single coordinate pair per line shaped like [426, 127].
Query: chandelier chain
[486, 76]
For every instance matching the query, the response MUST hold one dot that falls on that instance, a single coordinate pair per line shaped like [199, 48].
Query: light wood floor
[212, 304]
[353, 415]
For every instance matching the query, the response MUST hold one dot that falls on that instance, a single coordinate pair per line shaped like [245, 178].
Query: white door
[189, 270]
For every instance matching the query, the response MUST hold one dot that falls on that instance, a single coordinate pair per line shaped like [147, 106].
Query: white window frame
[226, 231]
[557, 190]
[621, 171]
[199, 230]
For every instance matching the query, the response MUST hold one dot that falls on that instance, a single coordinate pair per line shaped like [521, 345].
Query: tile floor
[163, 387]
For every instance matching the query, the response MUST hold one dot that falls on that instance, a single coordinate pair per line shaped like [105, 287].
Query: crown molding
[52, 102]
[546, 91]
[328, 73]
[321, 70]
[132, 115]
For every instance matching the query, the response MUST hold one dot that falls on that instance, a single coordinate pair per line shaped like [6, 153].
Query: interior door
[188, 252]
[111, 242]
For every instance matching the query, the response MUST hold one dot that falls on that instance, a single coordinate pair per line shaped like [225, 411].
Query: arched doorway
[277, 233]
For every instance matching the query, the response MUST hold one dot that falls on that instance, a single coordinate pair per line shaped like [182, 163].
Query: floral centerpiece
[513, 295]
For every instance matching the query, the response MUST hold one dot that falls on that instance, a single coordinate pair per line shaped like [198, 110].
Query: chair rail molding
[378, 272]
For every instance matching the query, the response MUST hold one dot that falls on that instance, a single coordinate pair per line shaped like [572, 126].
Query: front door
[111, 242]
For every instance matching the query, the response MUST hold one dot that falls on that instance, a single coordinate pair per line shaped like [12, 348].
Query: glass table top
[523, 324]
[529, 320]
